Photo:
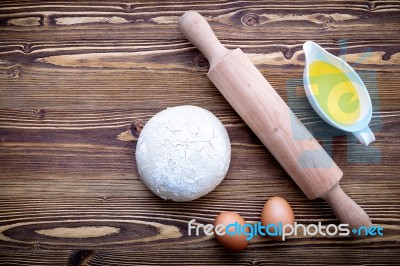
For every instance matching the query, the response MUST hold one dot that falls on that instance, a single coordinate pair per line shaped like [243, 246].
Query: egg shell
[235, 242]
[276, 210]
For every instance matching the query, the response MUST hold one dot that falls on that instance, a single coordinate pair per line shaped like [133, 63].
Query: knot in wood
[15, 72]
[288, 54]
[250, 20]
[386, 56]
[127, 8]
[201, 62]
[40, 113]
[45, 20]
[35, 246]
[254, 263]
[327, 22]
[371, 6]
[27, 48]
[136, 128]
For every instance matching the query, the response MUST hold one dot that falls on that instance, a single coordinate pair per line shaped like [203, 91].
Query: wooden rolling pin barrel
[264, 111]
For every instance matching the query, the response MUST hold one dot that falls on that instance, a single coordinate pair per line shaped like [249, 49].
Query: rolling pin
[271, 119]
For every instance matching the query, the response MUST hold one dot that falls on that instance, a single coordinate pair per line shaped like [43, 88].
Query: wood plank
[260, 255]
[147, 223]
[75, 77]
[77, 21]
[41, 89]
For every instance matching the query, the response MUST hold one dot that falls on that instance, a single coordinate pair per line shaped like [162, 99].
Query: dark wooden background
[78, 79]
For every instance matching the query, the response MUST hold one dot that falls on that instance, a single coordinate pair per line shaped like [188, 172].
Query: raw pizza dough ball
[183, 153]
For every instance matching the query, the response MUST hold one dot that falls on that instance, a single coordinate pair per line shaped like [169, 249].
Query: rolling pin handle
[345, 209]
[197, 30]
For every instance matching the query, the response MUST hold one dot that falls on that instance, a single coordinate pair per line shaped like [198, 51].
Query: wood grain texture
[79, 80]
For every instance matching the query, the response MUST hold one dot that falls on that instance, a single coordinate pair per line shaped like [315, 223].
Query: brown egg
[236, 242]
[276, 210]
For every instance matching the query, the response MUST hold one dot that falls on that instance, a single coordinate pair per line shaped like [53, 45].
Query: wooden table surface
[78, 80]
